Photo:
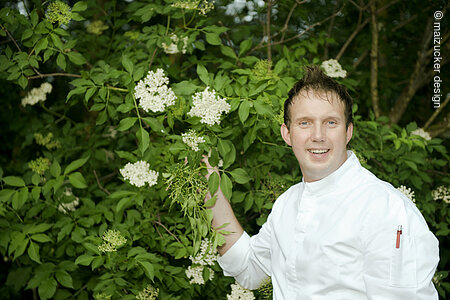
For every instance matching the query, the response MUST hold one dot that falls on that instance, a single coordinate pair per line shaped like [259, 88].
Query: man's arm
[223, 213]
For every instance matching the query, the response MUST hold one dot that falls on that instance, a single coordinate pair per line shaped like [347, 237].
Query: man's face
[317, 133]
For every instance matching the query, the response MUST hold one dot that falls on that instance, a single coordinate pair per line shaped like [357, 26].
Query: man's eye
[332, 123]
[304, 123]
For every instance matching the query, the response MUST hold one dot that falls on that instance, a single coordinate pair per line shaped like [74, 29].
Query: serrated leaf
[64, 278]
[56, 41]
[245, 46]
[154, 124]
[123, 202]
[41, 44]
[41, 238]
[213, 38]
[42, 227]
[126, 155]
[240, 176]
[13, 181]
[76, 58]
[75, 165]
[127, 64]
[47, 288]
[79, 6]
[126, 123]
[148, 268]
[143, 139]
[89, 93]
[91, 247]
[213, 183]
[84, 259]
[61, 62]
[244, 110]
[226, 186]
[55, 169]
[228, 51]
[33, 252]
[203, 74]
[77, 180]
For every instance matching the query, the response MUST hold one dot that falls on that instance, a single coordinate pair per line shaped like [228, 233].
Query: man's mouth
[318, 151]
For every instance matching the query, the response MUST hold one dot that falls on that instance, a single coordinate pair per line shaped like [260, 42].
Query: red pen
[399, 233]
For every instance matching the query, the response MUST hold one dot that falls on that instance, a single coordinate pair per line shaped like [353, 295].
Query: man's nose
[318, 133]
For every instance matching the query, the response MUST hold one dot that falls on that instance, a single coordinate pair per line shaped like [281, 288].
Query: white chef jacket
[336, 239]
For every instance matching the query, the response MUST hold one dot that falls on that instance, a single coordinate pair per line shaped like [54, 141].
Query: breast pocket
[403, 269]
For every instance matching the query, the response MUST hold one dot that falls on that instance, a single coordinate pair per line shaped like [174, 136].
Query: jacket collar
[343, 177]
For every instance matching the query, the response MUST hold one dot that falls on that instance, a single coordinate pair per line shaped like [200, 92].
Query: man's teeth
[318, 151]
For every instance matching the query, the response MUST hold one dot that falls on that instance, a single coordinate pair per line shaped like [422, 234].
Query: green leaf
[227, 51]
[27, 33]
[89, 93]
[245, 46]
[213, 38]
[127, 64]
[20, 198]
[79, 6]
[56, 41]
[41, 238]
[143, 140]
[64, 278]
[77, 180]
[42, 227]
[23, 81]
[126, 123]
[36, 192]
[148, 269]
[154, 124]
[240, 175]
[55, 168]
[47, 288]
[41, 44]
[244, 110]
[126, 155]
[6, 194]
[34, 18]
[61, 62]
[76, 58]
[92, 248]
[75, 165]
[184, 88]
[213, 183]
[33, 252]
[13, 181]
[123, 202]
[203, 74]
[226, 186]
[84, 259]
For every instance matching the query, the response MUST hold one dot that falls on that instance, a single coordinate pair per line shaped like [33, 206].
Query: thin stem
[57, 114]
[54, 75]
[441, 107]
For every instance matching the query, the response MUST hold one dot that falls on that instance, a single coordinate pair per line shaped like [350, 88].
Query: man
[341, 233]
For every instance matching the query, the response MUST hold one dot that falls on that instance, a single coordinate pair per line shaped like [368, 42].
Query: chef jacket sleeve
[405, 272]
[248, 260]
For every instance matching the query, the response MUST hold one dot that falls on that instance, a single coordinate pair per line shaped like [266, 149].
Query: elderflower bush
[102, 194]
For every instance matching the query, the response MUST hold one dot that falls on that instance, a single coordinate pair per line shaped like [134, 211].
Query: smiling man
[341, 233]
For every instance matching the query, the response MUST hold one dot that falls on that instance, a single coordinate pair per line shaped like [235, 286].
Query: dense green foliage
[62, 188]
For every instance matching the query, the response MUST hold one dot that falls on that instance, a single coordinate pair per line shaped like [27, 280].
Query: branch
[417, 77]
[100, 185]
[269, 40]
[374, 60]
[54, 75]
[441, 107]
[441, 127]
[165, 228]
[361, 26]
[330, 28]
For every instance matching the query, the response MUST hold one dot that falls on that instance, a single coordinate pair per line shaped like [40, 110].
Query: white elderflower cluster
[422, 133]
[208, 106]
[237, 8]
[149, 293]
[113, 240]
[71, 206]
[153, 92]
[172, 48]
[240, 293]
[441, 193]
[202, 6]
[333, 69]
[207, 254]
[195, 274]
[37, 94]
[139, 173]
[192, 139]
[408, 192]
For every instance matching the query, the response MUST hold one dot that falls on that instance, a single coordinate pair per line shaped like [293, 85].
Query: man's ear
[285, 134]
[349, 132]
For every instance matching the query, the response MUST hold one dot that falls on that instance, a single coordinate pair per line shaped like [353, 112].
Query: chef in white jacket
[341, 233]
